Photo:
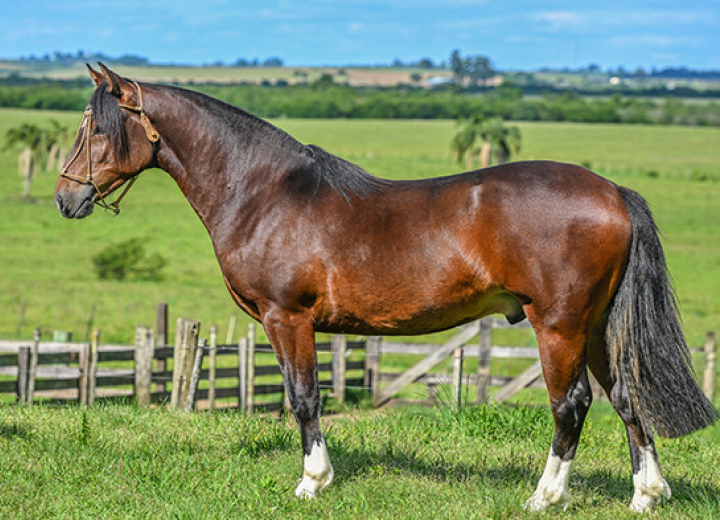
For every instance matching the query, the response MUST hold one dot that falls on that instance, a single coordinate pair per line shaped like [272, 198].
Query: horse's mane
[109, 118]
[343, 176]
[318, 167]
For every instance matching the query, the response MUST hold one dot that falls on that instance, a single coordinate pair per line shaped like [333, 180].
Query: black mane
[109, 118]
[343, 176]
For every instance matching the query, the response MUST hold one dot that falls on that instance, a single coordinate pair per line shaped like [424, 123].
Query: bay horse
[310, 242]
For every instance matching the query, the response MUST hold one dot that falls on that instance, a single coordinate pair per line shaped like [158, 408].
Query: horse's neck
[216, 161]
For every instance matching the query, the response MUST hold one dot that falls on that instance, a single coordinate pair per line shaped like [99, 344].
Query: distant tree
[426, 63]
[32, 141]
[458, 65]
[504, 140]
[323, 82]
[58, 141]
[640, 75]
[37, 146]
[467, 141]
[488, 140]
[480, 69]
[273, 61]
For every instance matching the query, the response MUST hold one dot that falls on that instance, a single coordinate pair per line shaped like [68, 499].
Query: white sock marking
[317, 472]
[552, 490]
[650, 486]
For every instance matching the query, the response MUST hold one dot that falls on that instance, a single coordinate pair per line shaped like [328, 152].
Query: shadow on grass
[13, 431]
[352, 464]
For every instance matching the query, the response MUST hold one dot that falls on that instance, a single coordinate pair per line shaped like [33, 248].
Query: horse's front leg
[293, 341]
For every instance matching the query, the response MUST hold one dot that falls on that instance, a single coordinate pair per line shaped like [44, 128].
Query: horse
[308, 242]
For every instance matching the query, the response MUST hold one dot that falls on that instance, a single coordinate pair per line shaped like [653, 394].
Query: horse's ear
[116, 85]
[96, 76]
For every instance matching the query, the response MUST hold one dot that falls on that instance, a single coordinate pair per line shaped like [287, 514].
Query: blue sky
[515, 34]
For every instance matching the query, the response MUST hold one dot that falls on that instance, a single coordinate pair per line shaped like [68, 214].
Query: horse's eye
[98, 130]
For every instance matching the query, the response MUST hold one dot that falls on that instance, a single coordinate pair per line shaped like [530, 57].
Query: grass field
[125, 462]
[45, 260]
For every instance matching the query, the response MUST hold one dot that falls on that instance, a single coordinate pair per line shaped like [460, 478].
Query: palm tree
[486, 139]
[38, 146]
[59, 139]
[466, 140]
[32, 141]
[504, 140]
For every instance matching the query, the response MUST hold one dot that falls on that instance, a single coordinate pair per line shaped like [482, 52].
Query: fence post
[32, 373]
[457, 377]
[212, 370]
[432, 392]
[162, 340]
[144, 345]
[242, 374]
[197, 365]
[250, 389]
[23, 365]
[372, 366]
[710, 360]
[185, 343]
[92, 376]
[483, 370]
[84, 373]
[339, 347]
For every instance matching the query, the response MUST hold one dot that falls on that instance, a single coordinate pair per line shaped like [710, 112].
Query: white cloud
[561, 19]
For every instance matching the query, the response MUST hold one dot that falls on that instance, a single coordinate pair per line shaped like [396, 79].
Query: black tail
[647, 349]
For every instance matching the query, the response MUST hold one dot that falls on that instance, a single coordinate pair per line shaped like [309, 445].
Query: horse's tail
[649, 357]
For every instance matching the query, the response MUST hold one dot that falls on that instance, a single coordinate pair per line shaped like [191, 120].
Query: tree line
[329, 100]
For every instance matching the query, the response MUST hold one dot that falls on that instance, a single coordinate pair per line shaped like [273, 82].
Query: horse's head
[115, 142]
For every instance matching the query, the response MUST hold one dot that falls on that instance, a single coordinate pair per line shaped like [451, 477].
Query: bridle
[151, 133]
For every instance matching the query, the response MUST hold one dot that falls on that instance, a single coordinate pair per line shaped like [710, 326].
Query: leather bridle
[151, 133]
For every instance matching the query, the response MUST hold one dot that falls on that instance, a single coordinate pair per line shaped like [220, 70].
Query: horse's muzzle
[78, 203]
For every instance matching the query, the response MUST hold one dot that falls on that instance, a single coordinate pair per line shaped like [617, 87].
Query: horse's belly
[408, 316]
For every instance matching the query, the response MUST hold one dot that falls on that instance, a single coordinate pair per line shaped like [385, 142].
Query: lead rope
[150, 132]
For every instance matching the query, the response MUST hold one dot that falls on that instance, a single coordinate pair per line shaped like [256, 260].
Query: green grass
[125, 462]
[46, 260]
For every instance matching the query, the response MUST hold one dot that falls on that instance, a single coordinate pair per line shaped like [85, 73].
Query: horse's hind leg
[563, 359]
[293, 341]
[650, 486]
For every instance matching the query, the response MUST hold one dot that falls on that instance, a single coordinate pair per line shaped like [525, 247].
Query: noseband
[150, 132]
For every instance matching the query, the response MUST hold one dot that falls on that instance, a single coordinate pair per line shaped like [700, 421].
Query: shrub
[128, 260]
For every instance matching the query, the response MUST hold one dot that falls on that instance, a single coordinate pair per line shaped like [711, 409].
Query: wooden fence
[476, 340]
[191, 373]
[201, 373]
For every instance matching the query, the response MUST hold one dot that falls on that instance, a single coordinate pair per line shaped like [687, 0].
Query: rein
[150, 132]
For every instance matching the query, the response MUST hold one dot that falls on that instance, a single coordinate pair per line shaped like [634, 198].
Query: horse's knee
[569, 412]
[573, 406]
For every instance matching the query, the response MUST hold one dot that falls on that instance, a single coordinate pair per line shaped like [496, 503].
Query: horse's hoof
[647, 497]
[309, 486]
[544, 499]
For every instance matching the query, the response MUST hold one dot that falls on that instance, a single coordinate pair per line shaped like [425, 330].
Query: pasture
[47, 278]
[126, 462]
